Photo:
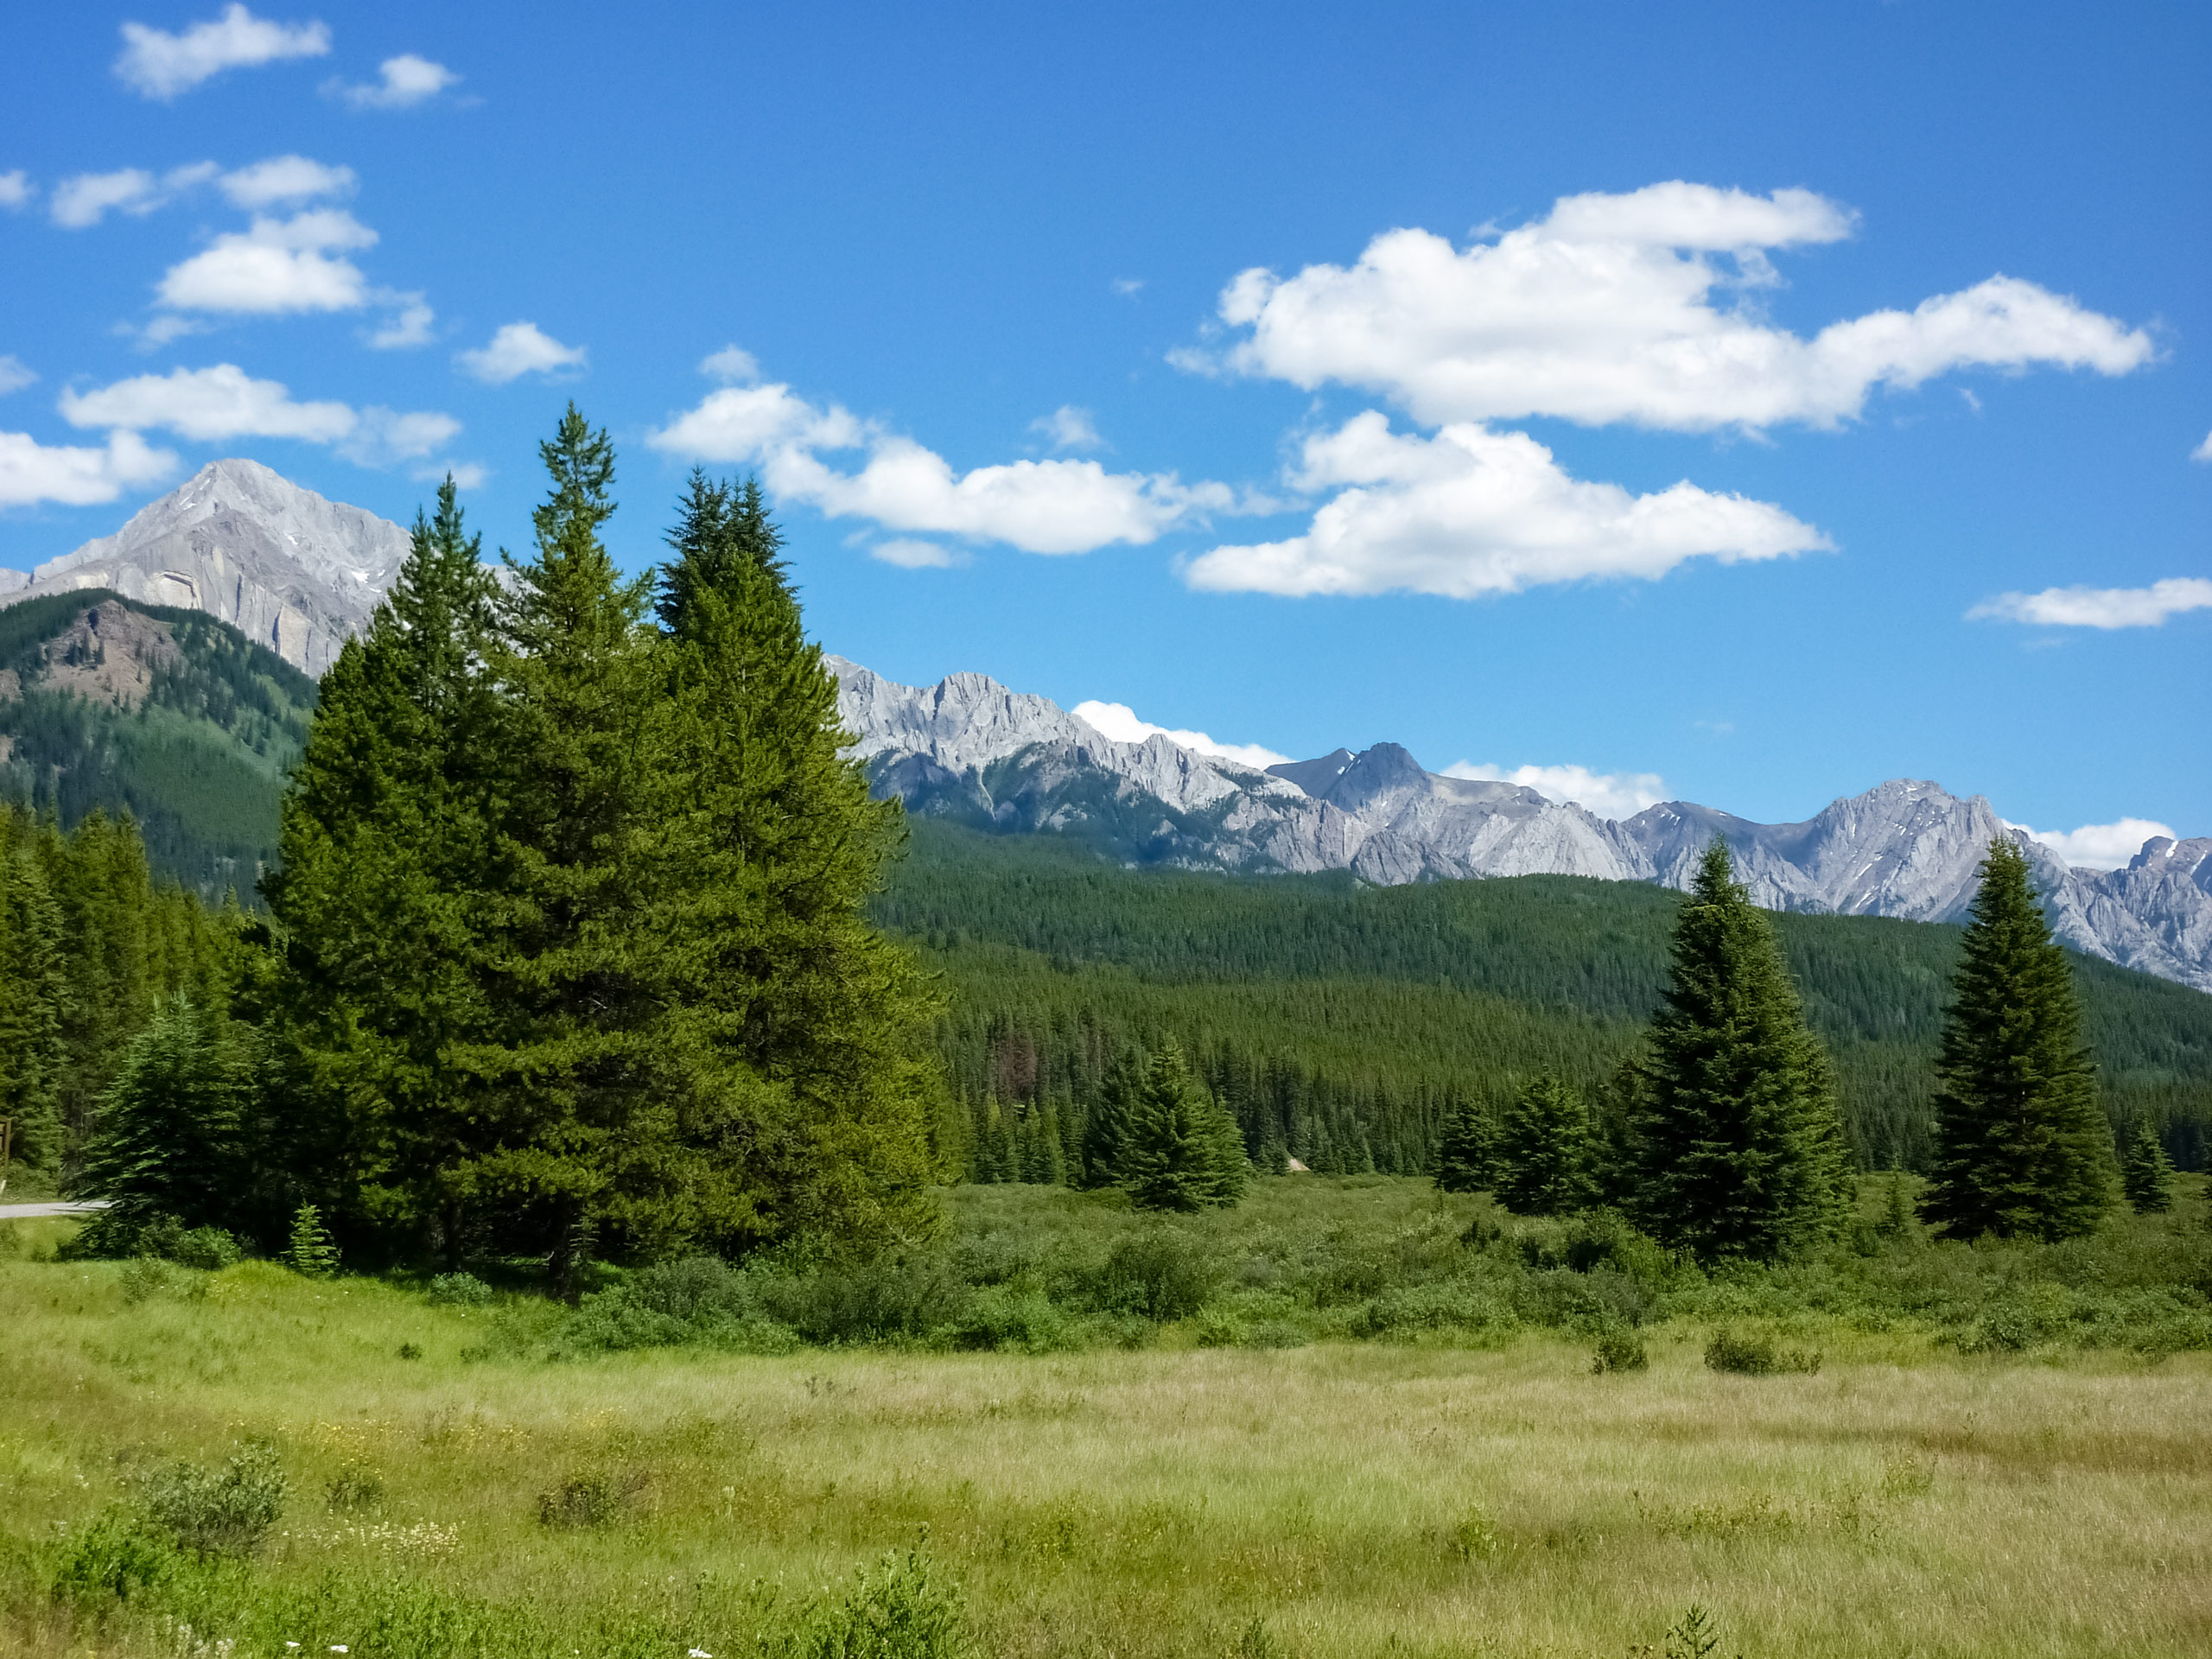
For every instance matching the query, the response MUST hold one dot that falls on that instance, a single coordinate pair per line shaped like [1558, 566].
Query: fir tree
[384, 1005]
[176, 1131]
[310, 1251]
[32, 985]
[2022, 1147]
[1543, 1151]
[1735, 1138]
[1466, 1156]
[804, 1032]
[2147, 1174]
[1179, 1149]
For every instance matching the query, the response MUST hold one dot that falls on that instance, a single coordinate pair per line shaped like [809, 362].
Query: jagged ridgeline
[1341, 1021]
[171, 714]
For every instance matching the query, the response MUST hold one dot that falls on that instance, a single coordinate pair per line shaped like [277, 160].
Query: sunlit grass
[1354, 1498]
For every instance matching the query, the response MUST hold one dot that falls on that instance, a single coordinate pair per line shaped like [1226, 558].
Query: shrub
[904, 1608]
[1584, 1302]
[1755, 1354]
[115, 1555]
[355, 1486]
[209, 1249]
[1014, 1321]
[1159, 1275]
[1618, 1348]
[588, 1500]
[2019, 1318]
[144, 1277]
[1277, 1333]
[459, 1290]
[226, 1513]
[1440, 1305]
[879, 1301]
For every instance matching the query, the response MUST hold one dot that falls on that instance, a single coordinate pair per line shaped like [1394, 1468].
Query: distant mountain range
[969, 750]
[297, 573]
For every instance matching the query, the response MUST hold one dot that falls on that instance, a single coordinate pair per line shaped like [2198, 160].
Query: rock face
[286, 567]
[969, 749]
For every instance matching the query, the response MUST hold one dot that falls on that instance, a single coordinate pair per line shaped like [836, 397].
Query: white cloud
[274, 266]
[215, 404]
[1127, 287]
[1472, 512]
[160, 65]
[909, 555]
[2098, 846]
[1608, 794]
[732, 365]
[1040, 506]
[1069, 428]
[16, 190]
[1606, 311]
[407, 327]
[284, 181]
[2204, 451]
[1119, 722]
[2098, 607]
[405, 81]
[518, 349]
[86, 199]
[31, 472]
[466, 474]
[15, 374]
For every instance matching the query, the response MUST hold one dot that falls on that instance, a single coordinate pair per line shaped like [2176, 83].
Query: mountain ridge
[972, 751]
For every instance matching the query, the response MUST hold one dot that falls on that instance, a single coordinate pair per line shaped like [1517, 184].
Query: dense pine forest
[1342, 1022]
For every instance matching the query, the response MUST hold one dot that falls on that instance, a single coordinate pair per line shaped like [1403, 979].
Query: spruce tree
[1179, 1149]
[1466, 1153]
[1543, 1151]
[803, 1030]
[2021, 1146]
[2147, 1174]
[383, 1007]
[1735, 1138]
[175, 1131]
[32, 985]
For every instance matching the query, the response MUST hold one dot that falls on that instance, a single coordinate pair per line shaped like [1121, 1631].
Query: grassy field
[1330, 1499]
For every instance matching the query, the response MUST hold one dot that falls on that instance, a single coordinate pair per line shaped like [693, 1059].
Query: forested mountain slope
[168, 714]
[1339, 1017]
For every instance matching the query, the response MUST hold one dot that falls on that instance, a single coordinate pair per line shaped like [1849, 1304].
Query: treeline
[1343, 1022]
[91, 945]
[566, 955]
[199, 762]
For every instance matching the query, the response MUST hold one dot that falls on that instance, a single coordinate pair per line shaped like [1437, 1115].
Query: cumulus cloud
[160, 65]
[1119, 722]
[1039, 506]
[2098, 607]
[15, 374]
[16, 190]
[909, 555]
[1472, 512]
[274, 266]
[1608, 794]
[1069, 428]
[1635, 308]
[2204, 451]
[82, 200]
[31, 472]
[409, 326]
[401, 83]
[285, 182]
[2099, 846]
[219, 403]
[732, 365]
[518, 349]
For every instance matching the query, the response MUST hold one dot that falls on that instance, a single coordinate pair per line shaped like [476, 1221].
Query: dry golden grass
[1355, 1499]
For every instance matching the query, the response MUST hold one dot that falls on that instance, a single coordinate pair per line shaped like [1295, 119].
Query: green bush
[1756, 1354]
[1442, 1304]
[904, 1608]
[1159, 1274]
[459, 1290]
[228, 1512]
[888, 1300]
[209, 1249]
[998, 1317]
[145, 1277]
[1618, 1348]
[115, 1555]
[590, 1499]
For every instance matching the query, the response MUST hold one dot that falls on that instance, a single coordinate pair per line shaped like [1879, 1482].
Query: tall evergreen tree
[383, 1007]
[2147, 1174]
[1180, 1150]
[2022, 1147]
[1543, 1152]
[1466, 1155]
[32, 985]
[1737, 1139]
[805, 1032]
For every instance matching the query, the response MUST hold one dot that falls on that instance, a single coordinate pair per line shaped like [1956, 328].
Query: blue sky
[1737, 404]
